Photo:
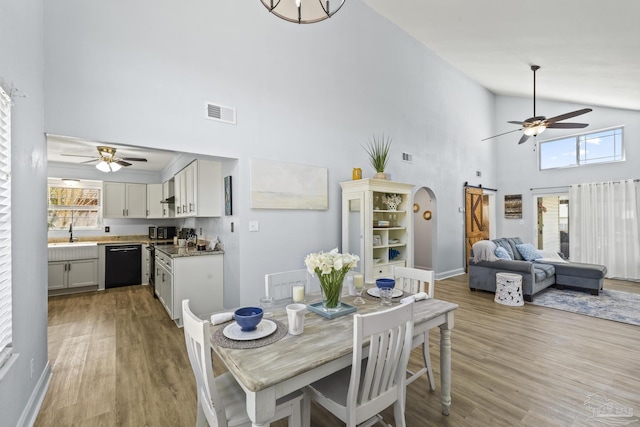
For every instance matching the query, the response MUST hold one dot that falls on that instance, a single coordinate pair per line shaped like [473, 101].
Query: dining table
[271, 371]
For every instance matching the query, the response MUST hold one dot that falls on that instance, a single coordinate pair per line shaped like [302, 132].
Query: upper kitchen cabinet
[198, 190]
[124, 200]
[168, 199]
[154, 201]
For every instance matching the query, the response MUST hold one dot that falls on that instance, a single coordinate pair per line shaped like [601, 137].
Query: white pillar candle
[358, 280]
[298, 293]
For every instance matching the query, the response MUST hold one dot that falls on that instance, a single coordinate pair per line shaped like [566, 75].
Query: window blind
[5, 227]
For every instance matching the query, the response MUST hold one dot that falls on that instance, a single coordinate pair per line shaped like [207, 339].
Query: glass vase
[331, 295]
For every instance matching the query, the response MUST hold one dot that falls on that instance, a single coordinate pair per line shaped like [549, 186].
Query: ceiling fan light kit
[303, 11]
[535, 125]
[108, 166]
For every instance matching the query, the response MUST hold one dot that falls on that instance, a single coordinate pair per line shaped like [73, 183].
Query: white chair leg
[427, 361]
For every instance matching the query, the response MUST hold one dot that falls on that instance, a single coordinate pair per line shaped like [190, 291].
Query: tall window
[5, 227]
[78, 204]
[596, 147]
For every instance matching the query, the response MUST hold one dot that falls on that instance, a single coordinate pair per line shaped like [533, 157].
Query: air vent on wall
[221, 113]
[406, 157]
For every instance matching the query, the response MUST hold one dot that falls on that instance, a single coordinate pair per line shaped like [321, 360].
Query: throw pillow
[528, 252]
[502, 253]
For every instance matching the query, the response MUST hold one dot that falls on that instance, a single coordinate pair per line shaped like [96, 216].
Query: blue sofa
[536, 276]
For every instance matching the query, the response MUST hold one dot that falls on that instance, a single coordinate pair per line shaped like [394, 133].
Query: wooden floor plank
[117, 360]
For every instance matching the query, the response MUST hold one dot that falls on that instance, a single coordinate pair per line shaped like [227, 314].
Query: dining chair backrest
[196, 332]
[279, 285]
[390, 335]
[414, 280]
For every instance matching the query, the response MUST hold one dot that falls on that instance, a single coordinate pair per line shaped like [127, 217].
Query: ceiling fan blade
[567, 115]
[134, 159]
[89, 161]
[516, 123]
[122, 162]
[567, 125]
[524, 138]
[500, 134]
[74, 155]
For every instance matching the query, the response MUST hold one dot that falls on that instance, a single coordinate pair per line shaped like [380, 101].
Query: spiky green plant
[378, 151]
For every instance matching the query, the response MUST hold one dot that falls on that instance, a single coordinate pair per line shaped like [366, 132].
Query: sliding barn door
[476, 228]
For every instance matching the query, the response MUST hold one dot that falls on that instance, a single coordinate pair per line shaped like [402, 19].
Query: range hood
[171, 199]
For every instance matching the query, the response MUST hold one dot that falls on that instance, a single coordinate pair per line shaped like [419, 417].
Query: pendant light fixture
[303, 11]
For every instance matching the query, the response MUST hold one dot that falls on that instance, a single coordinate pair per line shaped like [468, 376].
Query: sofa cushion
[502, 253]
[543, 271]
[578, 269]
[528, 252]
[504, 243]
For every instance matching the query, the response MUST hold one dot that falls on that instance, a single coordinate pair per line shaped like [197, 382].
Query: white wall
[517, 165]
[310, 94]
[21, 65]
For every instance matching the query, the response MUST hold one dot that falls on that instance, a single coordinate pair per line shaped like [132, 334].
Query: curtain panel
[604, 226]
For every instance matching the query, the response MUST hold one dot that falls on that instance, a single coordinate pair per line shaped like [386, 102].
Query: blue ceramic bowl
[385, 283]
[248, 318]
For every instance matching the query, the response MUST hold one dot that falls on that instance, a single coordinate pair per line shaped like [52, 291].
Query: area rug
[612, 305]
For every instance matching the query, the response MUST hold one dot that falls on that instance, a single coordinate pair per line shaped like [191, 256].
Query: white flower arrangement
[392, 201]
[331, 267]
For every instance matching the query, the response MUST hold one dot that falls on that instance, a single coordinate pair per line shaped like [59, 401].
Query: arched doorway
[424, 228]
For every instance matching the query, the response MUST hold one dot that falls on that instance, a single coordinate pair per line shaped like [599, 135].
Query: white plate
[264, 329]
[375, 292]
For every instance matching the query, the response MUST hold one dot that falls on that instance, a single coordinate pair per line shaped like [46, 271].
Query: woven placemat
[218, 338]
[366, 295]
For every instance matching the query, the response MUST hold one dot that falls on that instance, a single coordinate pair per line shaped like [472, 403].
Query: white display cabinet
[381, 236]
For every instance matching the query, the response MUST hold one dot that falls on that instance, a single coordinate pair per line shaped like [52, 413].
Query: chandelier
[303, 11]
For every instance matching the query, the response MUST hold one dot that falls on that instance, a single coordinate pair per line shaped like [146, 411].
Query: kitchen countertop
[108, 240]
[182, 251]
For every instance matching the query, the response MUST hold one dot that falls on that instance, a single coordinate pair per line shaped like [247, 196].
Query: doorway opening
[424, 228]
[480, 213]
[552, 225]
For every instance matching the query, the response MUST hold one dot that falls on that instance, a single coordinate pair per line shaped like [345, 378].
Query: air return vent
[406, 157]
[221, 113]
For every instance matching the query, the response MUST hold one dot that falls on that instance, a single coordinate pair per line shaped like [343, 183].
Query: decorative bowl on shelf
[248, 318]
[385, 283]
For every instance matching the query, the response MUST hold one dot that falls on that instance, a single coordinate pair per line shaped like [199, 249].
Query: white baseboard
[30, 412]
[450, 273]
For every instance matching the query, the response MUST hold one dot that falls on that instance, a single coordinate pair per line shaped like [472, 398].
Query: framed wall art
[228, 200]
[513, 206]
[279, 185]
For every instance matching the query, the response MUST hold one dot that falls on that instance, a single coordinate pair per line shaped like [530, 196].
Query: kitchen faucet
[71, 239]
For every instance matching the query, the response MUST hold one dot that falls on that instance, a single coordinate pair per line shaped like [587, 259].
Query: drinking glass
[386, 296]
[358, 284]
[266, 303]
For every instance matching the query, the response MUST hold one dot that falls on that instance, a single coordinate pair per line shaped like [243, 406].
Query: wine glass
[358, 284]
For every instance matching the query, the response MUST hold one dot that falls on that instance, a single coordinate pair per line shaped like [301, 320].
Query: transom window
[579, 150]
[79, 204]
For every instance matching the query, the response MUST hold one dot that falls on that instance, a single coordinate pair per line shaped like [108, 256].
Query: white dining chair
[221, 400]
[279, 285]
[376, 380]
[414, 280]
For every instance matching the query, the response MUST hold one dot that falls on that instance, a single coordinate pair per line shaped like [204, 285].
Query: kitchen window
[77, 202]
[5, 230]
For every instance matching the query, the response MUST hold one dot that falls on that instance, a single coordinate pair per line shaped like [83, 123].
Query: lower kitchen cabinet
[197, 278]
[73, 274]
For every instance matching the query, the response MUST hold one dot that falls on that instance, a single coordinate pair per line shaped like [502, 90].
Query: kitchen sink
[68, 251]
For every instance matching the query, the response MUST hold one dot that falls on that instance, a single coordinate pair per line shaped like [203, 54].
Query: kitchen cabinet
[72, 274]
[124, 200]
[198, 278]
[154, 201]
[168, 197]
[381, 235]
[198, 190]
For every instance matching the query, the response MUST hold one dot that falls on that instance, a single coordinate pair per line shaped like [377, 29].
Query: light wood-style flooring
[117, 360]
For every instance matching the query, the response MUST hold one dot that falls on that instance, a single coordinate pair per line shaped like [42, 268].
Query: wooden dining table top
[323, 341]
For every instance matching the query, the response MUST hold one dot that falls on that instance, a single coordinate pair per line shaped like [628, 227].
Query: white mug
[295, 316]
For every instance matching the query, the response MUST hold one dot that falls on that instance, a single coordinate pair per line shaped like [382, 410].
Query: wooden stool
[509, 289]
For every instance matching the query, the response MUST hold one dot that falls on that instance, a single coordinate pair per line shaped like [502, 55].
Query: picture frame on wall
[228, 202]
[513, 206]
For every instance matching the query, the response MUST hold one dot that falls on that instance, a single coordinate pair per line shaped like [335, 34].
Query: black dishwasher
[122, 265]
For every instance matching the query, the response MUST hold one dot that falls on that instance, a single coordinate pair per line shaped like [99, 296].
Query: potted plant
[378, 151]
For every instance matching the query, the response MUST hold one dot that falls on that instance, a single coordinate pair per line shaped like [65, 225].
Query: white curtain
[603, 226]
